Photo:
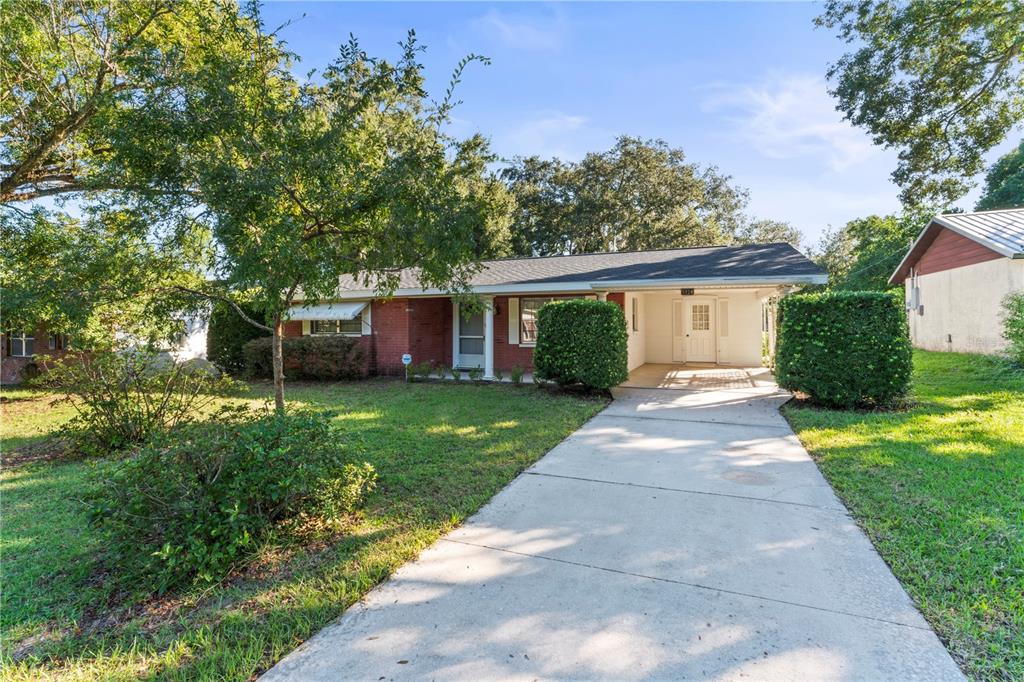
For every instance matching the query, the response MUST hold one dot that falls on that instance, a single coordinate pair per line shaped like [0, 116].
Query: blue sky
[737, 85]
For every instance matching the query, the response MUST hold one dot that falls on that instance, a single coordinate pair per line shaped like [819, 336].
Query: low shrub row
[309, 357]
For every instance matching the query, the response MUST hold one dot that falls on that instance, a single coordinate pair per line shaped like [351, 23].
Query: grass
[939, 488]
[441, 451]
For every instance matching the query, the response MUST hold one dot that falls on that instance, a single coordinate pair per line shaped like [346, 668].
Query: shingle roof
[1002, 231]
[768, 262]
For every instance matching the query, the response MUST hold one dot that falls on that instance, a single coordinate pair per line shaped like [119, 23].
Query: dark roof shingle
[703, 263]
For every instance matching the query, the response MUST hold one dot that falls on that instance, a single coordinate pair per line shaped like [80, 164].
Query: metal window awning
[329, 311]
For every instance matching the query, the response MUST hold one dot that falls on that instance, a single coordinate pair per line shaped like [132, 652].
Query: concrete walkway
[678, 534]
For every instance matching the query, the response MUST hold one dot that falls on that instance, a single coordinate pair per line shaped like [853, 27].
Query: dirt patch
[47, 450]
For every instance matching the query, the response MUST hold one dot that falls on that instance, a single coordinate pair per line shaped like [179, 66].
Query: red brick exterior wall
[11, 367]
[507, 356]
[422, 327]
[618, 297]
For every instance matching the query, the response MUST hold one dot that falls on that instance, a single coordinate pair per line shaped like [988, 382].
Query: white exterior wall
[637, 340]
[740, 346]
[963, 306]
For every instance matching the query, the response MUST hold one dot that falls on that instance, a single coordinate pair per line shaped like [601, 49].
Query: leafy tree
[348, 174]
[1004, 183]
[640, 194]
[83, 80]
[768, 232]
[86, 86]
[109, 271]
[941, 81]
[865, 252]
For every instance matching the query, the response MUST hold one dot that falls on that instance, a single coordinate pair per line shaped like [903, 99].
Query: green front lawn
[441, 451]
[940, 490]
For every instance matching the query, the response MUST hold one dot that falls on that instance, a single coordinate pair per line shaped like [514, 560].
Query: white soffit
[328, 311]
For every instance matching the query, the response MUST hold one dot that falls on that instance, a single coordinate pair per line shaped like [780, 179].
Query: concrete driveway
[678, 534]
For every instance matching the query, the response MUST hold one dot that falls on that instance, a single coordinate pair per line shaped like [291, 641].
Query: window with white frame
[352, 327]
[21, 345]
[635, 315]
[528, 309]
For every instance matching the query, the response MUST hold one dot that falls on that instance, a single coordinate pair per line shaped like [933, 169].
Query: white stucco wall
[742, 344]
[963, 306]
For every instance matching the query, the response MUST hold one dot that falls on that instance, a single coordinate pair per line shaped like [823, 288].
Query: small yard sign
[406, 359]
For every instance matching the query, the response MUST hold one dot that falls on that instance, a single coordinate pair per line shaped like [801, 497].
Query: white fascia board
[592, 287]
[486, 289]
[696, 282]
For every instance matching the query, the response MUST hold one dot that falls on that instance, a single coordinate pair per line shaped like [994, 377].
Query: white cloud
[521, 33]
[552, 133]
[791, 116]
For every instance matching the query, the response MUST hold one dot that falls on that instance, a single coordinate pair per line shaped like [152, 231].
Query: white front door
[700, 330]
[471, 340]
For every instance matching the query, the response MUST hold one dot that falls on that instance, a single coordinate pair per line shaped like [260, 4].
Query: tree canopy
[862, 254]
[347, 172]
[640, 194]
[940, 81]
[1004, 182]
[83, 82]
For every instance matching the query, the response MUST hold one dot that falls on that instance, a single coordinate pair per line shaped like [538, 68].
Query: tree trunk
[278, 354]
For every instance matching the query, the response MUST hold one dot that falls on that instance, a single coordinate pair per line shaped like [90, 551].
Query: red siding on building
[952, 250]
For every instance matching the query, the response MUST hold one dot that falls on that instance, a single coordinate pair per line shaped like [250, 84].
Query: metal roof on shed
[1002, 231]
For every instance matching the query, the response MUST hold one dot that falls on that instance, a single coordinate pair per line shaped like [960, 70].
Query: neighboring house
[957, 274]
[699, 305]
[19, 347]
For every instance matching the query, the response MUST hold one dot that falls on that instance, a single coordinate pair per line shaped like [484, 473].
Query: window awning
[328, 311]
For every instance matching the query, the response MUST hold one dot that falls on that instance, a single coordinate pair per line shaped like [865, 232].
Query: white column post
[489, 339]
[455, 334]
[602, 295]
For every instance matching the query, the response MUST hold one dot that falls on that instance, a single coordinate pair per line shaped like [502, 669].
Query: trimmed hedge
[845, 348]
[227, 334]
[309, 357]
[581, 342]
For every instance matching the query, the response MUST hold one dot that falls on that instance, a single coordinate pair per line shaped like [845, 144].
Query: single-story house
[956, 275]
[695, 305]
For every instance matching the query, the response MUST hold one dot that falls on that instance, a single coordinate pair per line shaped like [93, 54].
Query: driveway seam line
[684, 583]
[686, 490]
[697, 421]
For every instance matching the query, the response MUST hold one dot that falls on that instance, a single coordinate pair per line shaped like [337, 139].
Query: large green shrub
[845, 348]
[227, 333]
[1013, 325]
[581, 342]
[320, 358]
[121, 398]
[199, 500]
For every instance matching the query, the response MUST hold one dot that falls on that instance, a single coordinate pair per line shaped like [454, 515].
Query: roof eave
[587, 287]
